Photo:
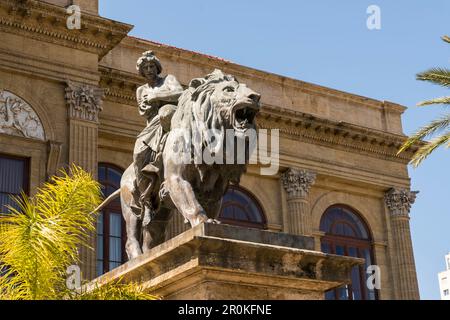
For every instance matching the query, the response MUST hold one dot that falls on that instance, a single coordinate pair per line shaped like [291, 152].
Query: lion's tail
[113, 196]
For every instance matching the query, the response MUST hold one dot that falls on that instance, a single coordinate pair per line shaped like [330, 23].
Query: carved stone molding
[297, 183]
[345, 136]
[18, 118]
[46, 22]
[119, 86]
[399, 201]
[84, 101]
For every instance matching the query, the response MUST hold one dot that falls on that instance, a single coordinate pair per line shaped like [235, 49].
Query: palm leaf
[428, 130]
[439, 76]
[116, 290]
[441, 100]
[39, 240]
[426, 150]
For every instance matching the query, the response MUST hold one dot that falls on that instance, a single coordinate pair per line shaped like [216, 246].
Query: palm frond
[441, 100]
[39, 240]
[116, 290]
[426, 150]
[439, 76]
[428, 130]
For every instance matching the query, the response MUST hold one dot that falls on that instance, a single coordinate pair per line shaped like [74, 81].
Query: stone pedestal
[233, 263]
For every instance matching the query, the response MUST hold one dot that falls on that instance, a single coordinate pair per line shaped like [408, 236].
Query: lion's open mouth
[243, 116]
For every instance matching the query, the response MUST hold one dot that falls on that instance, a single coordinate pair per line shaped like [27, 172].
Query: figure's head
[149, 65]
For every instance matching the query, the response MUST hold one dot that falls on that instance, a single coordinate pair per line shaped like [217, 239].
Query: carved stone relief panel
[18, 118]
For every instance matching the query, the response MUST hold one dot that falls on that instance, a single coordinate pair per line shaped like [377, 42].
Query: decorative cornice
[84, 101]
[298, 182]
[399, 201]
[47, 22]
[119, 86]
[336, 134]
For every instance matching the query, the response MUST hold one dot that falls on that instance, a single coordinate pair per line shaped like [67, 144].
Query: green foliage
[439, 128]
[441, 100]
[115, 291]
[40, 239]
[439, 76]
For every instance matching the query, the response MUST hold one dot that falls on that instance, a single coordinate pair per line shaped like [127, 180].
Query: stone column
[297, 184]
[399, 202]
[84, 103]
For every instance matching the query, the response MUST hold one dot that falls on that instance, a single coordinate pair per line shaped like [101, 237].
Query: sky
[328, 43]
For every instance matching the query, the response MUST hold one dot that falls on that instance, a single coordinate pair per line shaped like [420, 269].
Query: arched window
[240, 207]
[347, 234]
[111, 234]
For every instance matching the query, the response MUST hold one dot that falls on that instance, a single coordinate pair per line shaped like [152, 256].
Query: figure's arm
[145, 108]
[169, 92]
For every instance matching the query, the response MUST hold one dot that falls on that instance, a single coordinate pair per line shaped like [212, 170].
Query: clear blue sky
[327, 42]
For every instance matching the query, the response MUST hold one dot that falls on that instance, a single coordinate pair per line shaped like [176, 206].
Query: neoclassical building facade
[68, 96]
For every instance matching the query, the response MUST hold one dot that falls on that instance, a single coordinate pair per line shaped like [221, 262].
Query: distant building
[444, 280]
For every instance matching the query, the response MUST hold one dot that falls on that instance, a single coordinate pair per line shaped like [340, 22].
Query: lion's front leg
[184, 199]
[213, 211]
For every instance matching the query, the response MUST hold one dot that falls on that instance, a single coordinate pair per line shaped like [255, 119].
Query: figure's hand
[145, 100]
[149, 101]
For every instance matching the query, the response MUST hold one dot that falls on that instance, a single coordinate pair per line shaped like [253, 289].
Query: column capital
[298, 182]
[399, 201]
[84, 101]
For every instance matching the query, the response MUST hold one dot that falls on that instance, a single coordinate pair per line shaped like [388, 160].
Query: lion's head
[220, 102]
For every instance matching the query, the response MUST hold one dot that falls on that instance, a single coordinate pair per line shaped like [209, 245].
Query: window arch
[241, 208]
[347, 234]
[111, 232]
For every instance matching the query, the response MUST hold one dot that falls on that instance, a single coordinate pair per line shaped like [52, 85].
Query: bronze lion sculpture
[216, 103]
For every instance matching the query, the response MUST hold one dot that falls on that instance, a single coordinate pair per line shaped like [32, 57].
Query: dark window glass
[347, 234]
[111, 234]
[241, 208]
[344, 222]
[14, 176]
